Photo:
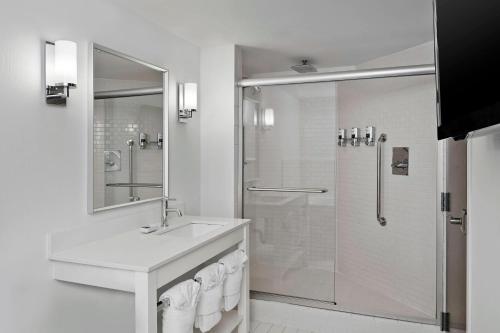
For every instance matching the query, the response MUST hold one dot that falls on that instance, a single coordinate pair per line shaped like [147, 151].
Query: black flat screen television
[468, 65]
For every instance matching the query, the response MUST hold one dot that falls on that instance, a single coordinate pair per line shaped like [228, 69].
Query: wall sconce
[188, 100]
[60, 70]
[267, 118]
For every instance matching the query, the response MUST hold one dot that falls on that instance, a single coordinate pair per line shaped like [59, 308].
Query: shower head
[304, 67]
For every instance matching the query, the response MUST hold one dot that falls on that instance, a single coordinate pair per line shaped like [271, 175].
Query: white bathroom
[225, 166]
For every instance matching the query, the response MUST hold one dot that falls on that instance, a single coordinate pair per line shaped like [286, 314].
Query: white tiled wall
[398, 260]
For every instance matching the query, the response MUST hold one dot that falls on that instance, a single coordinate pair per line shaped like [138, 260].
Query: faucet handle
[174, 210]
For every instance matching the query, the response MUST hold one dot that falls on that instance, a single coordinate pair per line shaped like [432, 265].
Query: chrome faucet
[165, 210]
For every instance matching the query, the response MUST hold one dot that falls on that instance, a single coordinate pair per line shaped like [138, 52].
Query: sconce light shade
[60, 70]
[268, 118]
[65, 63]
[191, 96]
[188, 100]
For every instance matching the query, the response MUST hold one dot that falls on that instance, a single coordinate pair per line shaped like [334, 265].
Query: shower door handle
[287, 189]
[380, 218]
[461, 221]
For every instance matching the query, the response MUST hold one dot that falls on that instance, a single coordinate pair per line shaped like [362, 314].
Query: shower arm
[380, 218]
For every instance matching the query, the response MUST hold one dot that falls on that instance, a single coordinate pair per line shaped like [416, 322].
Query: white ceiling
[276, 34]
[110, 66]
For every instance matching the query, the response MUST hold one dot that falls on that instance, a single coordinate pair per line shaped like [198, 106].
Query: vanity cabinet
[142, 263]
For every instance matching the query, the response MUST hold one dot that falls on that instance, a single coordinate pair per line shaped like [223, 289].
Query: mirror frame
[90, 130]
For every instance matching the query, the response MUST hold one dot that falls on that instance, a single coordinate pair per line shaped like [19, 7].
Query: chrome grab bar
[380, 218]
[287, 189]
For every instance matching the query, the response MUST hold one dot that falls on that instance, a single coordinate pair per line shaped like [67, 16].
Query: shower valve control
[355, 136]
[370, 135]
[143, 140]
[342, 140]
[159, 141]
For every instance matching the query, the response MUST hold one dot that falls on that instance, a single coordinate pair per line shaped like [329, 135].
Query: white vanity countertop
[135, 251]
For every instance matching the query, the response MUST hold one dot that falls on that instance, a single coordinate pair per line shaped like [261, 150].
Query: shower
[335, 225]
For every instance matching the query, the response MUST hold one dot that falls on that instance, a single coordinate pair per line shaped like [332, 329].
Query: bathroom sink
[193, 230]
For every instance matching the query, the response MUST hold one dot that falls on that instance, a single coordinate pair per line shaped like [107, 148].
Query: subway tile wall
[398, 260]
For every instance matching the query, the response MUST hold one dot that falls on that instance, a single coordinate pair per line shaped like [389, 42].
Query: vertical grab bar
[130, 144]
[380, 218]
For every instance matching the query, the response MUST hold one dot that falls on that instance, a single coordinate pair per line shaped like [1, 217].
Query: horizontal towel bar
[135, 185]
[287, 189]
[166, 302]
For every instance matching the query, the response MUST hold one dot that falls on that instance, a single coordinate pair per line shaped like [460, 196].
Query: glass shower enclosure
[315, 237]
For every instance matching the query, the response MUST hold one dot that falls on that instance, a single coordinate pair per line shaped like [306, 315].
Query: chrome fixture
[461, 221]
[380, 218]
[188, 101]
[149, 185]
[376, 73]
[128, 93]
[370, 135]
[131, 196]
[143, 140]
[341, 138]
[60, 70]
[305, 67]
[165, 210]
[400, 158]
[355, 137]
[159, 140]
[112, 160]
[287, 189]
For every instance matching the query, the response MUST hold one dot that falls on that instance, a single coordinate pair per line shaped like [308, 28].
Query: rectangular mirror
[128, 124]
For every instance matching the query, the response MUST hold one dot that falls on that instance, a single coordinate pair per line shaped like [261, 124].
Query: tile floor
[261, 327]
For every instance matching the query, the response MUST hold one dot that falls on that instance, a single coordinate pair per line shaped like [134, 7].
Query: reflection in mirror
[127, 130]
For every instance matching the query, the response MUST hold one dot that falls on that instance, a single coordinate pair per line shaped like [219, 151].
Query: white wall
[43, 159]
[219, 105]
[483, 234]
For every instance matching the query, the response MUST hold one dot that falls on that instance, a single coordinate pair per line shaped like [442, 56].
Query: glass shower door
[289, 189]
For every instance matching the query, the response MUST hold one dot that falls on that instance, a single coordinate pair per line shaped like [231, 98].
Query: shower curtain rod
[128, 93]
[377, 73]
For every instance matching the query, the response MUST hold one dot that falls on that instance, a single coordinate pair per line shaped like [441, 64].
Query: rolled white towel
[233, 264]
[180, 309]
[208, 311]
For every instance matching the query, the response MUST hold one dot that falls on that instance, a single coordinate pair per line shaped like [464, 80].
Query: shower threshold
[347, 300]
